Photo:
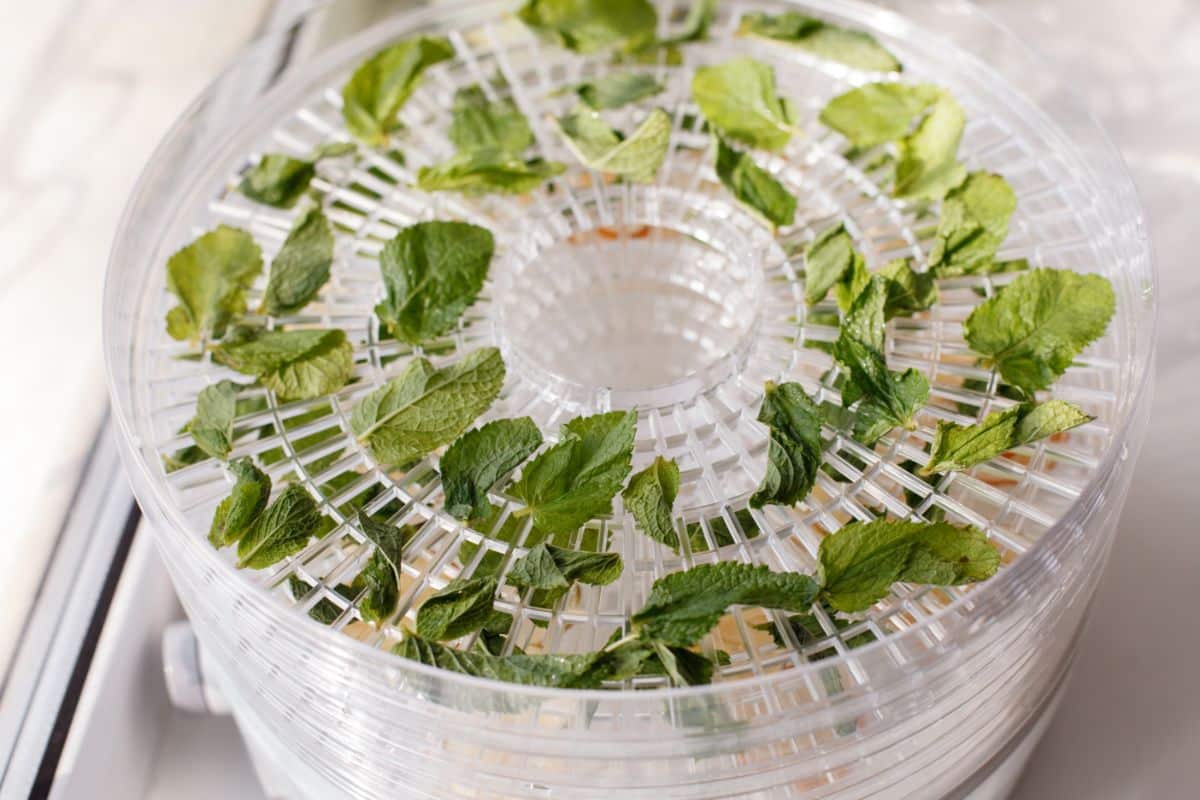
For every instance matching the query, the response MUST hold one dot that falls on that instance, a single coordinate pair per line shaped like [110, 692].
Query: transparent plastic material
[669, 298]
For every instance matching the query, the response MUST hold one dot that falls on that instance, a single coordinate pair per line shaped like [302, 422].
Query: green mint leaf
[278, 180]
[850, 47]
[586, 26]
[599, 147]
[958, 447]
[280, 531]
[296, 365]
[877, 113]
[928, 166]
[973, 225]
[618, 89]
[650, 496]
[739, 100]
[463, 607]
[302, 266]
[907, 291]
[334, 150]
[479, 124]
[479, 458]
[699, 19]
[806, 629]
[721, 534]
[379, 88]
[889, 399]
[193, 454]
[210, 277]
[237, 513]
[424, 408]
[212, 427]
[858, 564]
[487, 172]
[577, 479]
[828, 261]
[381, 575]
[684, 606]
[683, 666]
[553, 570]
[324, 611]
[1034, 327]
[794, 451]
[754, 187]
[431, 272]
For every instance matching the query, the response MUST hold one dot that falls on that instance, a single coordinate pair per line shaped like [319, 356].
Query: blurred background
[89, 87]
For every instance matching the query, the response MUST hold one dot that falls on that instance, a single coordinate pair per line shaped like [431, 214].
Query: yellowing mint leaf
[618, 89]
[738, 98]
[463, 607]
[928, 165]
[599, 147]
[479, 124]
[1035, 326]
[684, 606]
[296, 365]
[554, 569]
[858, 564]
[379, 88]
[958, 447]
[481, 457]
[432, 271]
[576, 479]
[850, 47]
[210, 277]
[280, 531]
[889, 399]
[754, 187]
[794, 451]
[212, 427]
[879, 112]
[585, 26]
[238, 512]
[302, 266]
[973, 226]
[280, 180]
[424, 408]
[650, 497]
[381, 575]
[907, 291]
[487, 171]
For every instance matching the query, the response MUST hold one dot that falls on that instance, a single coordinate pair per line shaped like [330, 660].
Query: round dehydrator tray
[669, 298]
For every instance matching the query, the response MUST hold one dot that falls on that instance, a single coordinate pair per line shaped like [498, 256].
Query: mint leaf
[481, 457]
[794, 452]
[296, 365]
[850, 47]
[487, 171]
[462, 607]
[889, 399]
[599, 147]
[280, 531]
[958, 447]
[683, 666]
[302, 266]
[279, 180]
[424, 408]
[754, 187]
[586, 26]
[1035, 326]
[212, 427]
[324, 611]
[699, 19]
[830, 260]
[553, 570]
[928, 165]
[210, 277]
[618, 89]
[431, 272]
[381, 574]
[877, 113]
[721, 534]
[738, 98]
[858, 564]
[379, 88]
[973, 225]
[576, 479]
[907, 291]
[684, 606]
[478, 124]
[650, 496]
[237, 513]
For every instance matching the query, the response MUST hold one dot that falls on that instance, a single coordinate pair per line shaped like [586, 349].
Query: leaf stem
[626, 639]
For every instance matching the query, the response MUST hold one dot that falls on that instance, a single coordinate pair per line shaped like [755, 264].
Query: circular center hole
[641, 312]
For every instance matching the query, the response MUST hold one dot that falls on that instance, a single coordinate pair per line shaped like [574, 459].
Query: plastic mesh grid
[708, 425]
